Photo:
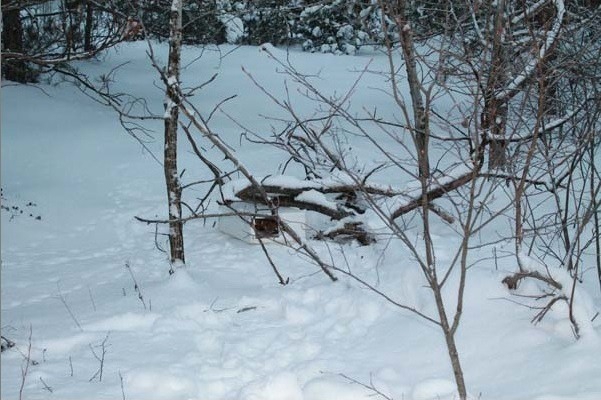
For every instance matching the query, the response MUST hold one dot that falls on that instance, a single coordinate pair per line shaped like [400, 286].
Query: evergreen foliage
[330, 27]
[266, 21]
[39, 34]
[201, 23]
[61, 29]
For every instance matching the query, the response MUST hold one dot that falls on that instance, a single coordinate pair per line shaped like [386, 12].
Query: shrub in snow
[265, 21]
[331, 27]
[340, 26]
[234, 27]
[429, 17]
[554, 287]
[202, 23]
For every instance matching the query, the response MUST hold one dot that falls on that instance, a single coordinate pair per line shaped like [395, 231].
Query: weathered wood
[286, 196]
[282, 200]
[352, 230]
[433, 194]
[512, 281]
[326, 189]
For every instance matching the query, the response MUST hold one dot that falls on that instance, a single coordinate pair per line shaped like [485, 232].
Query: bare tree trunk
[421, 134]
[447, 330]
[71, 22]
[87, 35]
[174, 189]
[420, 114]
[12, 40]
[494, 114]
[594, 172]
[550, 76]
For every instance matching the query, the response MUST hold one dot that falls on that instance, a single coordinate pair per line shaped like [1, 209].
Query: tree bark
[449, 335]
[494, 115]
[174, 189]
[87, 35]
[595, 214]
[420, 114]
[12, 41]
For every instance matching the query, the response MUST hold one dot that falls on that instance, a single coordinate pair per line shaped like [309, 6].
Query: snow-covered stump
[252, 222]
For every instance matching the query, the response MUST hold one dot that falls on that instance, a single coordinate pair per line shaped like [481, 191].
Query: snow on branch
[529, 69]
[342, 200]
[546, 127]
[440, 189]
[527, 13]
[286, 191]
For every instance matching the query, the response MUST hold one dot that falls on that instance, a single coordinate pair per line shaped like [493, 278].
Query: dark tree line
[39, 35]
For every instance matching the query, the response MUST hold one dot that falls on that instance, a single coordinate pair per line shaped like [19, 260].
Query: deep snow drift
[223, 328]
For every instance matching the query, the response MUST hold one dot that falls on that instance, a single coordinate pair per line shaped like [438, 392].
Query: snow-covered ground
[223, 328]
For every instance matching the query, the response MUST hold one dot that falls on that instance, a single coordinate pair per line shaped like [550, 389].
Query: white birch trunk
[174, 189]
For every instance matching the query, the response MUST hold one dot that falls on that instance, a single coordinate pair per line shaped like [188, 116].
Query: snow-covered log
[340, 200]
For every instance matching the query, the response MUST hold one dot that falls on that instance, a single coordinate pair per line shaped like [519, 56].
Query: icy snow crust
[223, 328]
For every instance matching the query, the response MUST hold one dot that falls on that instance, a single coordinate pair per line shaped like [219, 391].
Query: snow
[222, 327]
[328, 388]
[167, 114]
[123, 322]
[431, 389]
[283, 181]
[583, 308]
[234, 27]
[282, 386]
[172, 81]
[314, 197]
[349, 49]
[307, 11]
[162, 384]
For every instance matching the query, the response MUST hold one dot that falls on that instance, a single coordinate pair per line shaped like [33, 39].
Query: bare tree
[313, 142]
[506, 116]
[554, 117]
[174, 187]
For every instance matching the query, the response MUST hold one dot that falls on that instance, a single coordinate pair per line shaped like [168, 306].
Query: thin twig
[25, 370]
[272, 263]
[122, 386]
[64, 301]
[369, 386]
[92, 298]
[46, 387]
[137, 287]
[103, 346]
